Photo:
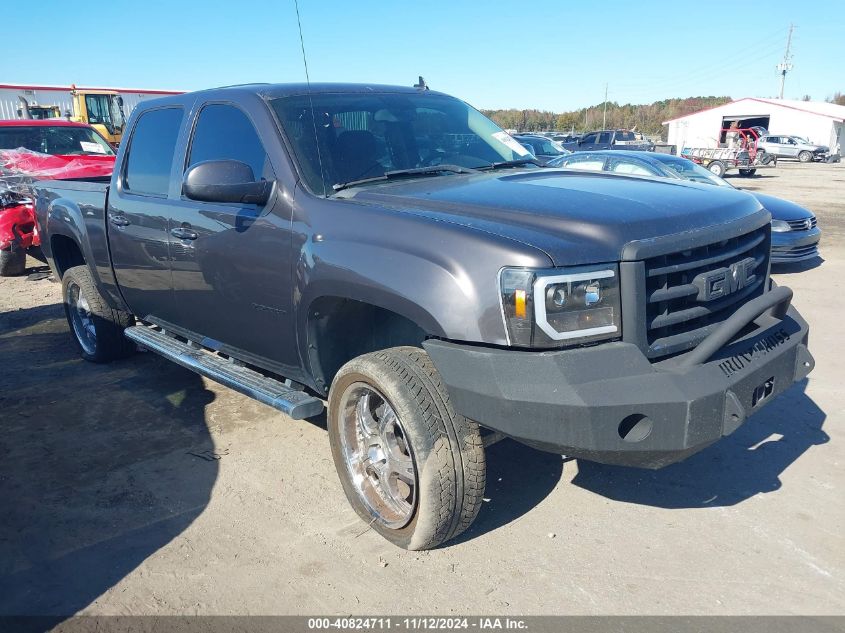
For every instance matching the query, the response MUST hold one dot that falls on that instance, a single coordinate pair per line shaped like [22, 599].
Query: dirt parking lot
[141, 488]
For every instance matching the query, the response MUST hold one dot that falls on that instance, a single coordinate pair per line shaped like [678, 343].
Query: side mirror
[225, 181]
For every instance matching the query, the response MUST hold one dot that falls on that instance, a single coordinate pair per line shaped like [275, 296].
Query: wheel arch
[338, 328]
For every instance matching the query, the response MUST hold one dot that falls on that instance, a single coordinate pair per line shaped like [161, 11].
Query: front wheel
[96, 327]
[717, 167]
[747, 173]
[805, 156]
[12, 262]
[411, 467]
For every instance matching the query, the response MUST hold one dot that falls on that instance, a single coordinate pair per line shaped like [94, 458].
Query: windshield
[55, 139]
[688, 170]
[363, 136]
[105, 110]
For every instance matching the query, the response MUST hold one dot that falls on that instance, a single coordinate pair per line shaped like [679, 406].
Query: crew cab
[392, 254]
[609, 139]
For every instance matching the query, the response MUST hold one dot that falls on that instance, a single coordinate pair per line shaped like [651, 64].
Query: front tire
[747, 173]
[410, 466]
[12, 262]
[97, 328]
[805, 156]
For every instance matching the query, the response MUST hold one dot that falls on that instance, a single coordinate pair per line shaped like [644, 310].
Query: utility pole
[786, 65]
[604, 119]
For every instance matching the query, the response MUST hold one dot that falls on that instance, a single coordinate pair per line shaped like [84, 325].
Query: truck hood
[574, 217]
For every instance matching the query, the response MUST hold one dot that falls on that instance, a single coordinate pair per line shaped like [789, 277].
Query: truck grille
[675, 319]
[801, 225]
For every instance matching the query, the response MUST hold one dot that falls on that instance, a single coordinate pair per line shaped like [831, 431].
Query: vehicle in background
[102, 109]
[542, 147]
[795, 231]
[40, 150]
[609, 139]
[739, 151]
[788, 146]
[394, 252]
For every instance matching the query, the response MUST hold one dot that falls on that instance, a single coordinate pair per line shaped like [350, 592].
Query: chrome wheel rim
[378, 456]
[81, 319]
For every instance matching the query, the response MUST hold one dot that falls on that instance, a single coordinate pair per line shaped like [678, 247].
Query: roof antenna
[421, 85]
[310, 100]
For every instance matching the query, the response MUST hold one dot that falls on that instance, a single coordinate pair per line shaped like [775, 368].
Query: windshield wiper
[431, 170]
[512, 163]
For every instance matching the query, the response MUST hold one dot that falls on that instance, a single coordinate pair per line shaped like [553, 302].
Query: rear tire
[410, 466]
[97, 328]
[12, 262]
[805, 156]
[717, 167]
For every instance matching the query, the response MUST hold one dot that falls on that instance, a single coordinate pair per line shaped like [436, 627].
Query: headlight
[780, 226]
[560, 307]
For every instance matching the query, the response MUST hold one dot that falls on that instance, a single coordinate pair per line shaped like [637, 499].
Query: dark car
[795, 231]
[610, 139]
[543, 147]
[394, 254]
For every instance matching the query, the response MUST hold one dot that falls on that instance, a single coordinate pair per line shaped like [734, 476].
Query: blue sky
[549, 55]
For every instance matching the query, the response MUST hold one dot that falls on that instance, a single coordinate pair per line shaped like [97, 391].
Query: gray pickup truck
[393, 255]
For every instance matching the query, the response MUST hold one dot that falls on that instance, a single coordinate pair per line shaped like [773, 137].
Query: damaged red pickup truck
[33, 150]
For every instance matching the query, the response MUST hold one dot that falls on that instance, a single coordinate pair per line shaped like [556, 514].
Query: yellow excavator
[101, 108]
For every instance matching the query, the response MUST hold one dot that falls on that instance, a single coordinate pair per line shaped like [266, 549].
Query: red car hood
[48, 166]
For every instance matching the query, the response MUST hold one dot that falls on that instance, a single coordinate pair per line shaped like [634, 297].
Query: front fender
[441, 276]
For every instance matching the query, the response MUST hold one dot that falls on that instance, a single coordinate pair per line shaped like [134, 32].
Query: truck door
[231, 261]
[138, 215]
[588, 142]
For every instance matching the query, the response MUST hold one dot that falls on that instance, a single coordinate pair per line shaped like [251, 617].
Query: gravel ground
[140, 488]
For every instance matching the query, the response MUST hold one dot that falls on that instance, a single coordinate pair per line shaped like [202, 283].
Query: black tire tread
[422, 377]
[110, 322]
[454, 460]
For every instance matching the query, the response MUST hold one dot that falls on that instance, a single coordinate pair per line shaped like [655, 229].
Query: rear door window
[604, 138]
[224, 132]
[151, 150]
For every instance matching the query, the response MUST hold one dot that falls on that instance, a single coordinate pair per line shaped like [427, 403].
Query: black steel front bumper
[609, 404]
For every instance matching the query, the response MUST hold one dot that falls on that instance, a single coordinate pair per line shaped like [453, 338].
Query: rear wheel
[411, 467]
[96, 327]
[805, 156]
[747, 173]
[12, 262]
[717, 167]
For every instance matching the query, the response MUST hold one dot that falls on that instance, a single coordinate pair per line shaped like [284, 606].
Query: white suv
[792, 147]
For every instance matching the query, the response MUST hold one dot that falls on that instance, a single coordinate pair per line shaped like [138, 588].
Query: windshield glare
[689, 170]
[363, 136]
[59, 139]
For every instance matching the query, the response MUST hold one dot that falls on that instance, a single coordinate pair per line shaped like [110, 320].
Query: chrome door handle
[184, 234]
[118, 220]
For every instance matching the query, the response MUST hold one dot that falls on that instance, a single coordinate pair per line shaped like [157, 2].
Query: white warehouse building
[821, 123]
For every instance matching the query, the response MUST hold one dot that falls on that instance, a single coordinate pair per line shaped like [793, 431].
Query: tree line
[645, 118]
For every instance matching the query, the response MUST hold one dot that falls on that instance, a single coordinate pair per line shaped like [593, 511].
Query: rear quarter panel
[76, 210]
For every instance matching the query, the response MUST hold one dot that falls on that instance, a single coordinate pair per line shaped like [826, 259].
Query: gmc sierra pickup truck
[392, 253]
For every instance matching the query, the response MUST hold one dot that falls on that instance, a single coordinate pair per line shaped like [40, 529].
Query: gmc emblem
[724, 281]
